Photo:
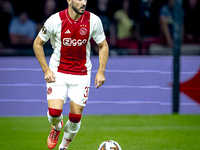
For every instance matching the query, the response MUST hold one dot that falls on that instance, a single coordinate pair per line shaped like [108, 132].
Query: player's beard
[77, 10]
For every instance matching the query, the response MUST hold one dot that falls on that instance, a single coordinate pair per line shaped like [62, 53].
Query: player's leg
[54, 114]
[56, 95]
[73, 124]
[78, 95]
[55, 117]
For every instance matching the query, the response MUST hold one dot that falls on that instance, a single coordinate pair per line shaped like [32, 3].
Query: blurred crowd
[128, 24]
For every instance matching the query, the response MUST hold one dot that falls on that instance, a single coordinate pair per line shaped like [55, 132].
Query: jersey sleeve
[47, 30]
[98, 34]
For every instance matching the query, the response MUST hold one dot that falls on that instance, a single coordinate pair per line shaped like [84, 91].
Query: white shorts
[76, 87]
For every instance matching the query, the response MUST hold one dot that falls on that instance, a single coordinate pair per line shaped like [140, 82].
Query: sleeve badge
[44, 30]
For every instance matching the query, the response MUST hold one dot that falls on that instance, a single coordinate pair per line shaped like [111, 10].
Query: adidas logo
[68, 32]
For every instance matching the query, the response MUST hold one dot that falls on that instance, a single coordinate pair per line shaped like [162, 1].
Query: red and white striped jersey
[70, 40]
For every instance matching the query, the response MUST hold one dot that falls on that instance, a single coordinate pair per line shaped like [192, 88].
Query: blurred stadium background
[140, 77]
[134, 85]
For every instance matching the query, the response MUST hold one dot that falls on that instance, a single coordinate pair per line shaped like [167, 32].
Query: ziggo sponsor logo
[73, 42]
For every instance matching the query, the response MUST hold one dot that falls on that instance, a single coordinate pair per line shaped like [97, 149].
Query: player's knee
[75, 118]
[55, 112]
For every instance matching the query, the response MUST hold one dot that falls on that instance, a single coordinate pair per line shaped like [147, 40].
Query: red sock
[55, 112]
[75, 118]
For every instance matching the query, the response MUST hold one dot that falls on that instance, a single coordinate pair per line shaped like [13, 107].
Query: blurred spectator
[22, 31]
[128, 32]
[48, 9]
[6, 13]
[166, 23]
[191, 23]
[162, 12]
[103, 9]
[149, 24]
[149, 21]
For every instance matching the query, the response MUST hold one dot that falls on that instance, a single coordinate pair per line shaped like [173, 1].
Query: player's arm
[39, 53]
[165, 30]
[103, 58]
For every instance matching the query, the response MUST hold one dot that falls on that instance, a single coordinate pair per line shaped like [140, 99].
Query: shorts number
[86, 92]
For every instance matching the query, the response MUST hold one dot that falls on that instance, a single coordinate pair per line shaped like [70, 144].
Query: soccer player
[69, 70]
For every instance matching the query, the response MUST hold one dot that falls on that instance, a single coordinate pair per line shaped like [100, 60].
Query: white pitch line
[146, 128]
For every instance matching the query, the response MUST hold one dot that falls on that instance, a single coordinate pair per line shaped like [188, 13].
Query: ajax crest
[83, 31]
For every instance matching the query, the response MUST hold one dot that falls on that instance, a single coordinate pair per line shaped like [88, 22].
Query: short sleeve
[97, 29]
[47, 30]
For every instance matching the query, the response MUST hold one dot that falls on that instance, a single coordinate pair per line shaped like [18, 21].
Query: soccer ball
[109, 145]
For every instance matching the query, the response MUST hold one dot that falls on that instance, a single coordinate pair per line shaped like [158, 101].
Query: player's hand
[49, 76]
[99, 79]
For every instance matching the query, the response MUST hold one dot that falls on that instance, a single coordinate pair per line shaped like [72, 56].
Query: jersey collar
[71, 20]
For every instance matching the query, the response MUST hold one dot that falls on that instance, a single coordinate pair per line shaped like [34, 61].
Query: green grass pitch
[132, 132]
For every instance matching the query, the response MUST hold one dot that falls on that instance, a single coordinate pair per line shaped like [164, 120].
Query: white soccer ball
[109, 145]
